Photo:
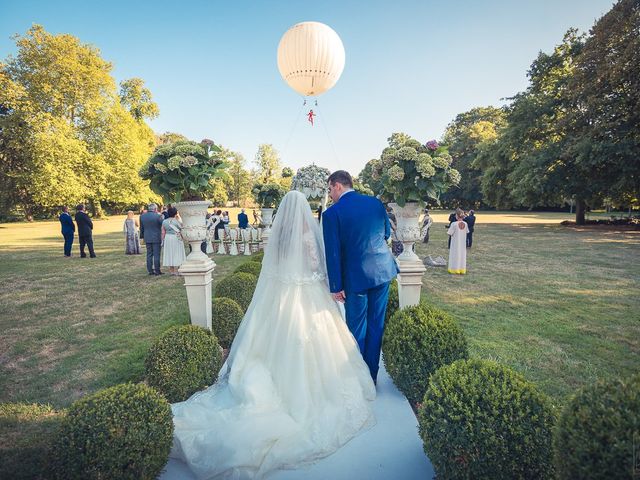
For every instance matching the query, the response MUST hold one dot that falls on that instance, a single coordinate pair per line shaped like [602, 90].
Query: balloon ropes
[311, 59]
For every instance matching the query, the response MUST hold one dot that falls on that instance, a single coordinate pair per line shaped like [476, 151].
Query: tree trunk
[96, 208]
[580, 208]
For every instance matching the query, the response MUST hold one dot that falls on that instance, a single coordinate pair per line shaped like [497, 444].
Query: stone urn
[194, 229]
[267, 218]
[407, 228]
[411, 267]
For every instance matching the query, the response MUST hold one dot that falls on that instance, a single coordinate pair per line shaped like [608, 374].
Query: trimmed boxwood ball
[258, 256]
[480, 419]
[417, 341]
[121, 432]
[239, 287]
[250, 267]
[183, 360]
[598, 433]
[227, 316]
[393, 303]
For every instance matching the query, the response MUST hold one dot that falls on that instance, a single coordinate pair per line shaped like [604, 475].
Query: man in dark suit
[151, 231]
[243, 220]
[85, 232]
[471, 221]
[452, 218]
[68, 229]
[359, 263]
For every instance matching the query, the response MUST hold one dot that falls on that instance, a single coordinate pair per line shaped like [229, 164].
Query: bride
[294, 387]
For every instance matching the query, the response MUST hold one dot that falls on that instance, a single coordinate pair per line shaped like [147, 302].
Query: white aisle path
[391, 450]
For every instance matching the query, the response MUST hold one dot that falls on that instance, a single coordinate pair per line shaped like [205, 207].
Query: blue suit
[243, 220]
[68, 229]
[359, 262]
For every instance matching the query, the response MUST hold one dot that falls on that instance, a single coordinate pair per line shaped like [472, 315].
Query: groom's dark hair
[341, 176]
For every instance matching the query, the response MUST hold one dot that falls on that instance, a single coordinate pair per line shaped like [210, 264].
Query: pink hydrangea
[432, 145]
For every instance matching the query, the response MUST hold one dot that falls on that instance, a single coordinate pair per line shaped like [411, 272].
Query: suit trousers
[365, 319]
[88, 241]
[68, 243]
[153, 257]
[469, 239]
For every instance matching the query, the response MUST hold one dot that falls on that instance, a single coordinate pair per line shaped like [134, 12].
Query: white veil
[295, 250]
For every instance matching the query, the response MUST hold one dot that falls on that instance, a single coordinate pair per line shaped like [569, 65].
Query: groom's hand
[339, 297]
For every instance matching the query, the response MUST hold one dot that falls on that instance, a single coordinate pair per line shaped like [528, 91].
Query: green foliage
[258, 256]
[183, 360]
[253, 267]
[481, 420]
[361, 188]
[408, 171]
[465, 137]
[239, 287]
[121, 432]
[393, 303]
[136, 98]
[27, 434]
[417, 341]
[184, 170]
[53, 110]
[598, 434]
[287, 172]
[226, 319]
[268, 195]
[239, 186]
[267, 161]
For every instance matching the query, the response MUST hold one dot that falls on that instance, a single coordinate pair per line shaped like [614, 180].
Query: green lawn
[560, 305]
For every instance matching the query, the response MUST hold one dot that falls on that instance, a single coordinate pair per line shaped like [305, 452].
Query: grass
[73, 326]
[561, 305]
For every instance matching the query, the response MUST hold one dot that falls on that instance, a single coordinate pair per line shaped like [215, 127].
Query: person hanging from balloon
[310, 116]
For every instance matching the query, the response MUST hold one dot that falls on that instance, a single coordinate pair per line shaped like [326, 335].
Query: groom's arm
[331, 236]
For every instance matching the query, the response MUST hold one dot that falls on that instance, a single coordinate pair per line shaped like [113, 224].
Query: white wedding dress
[295, 387]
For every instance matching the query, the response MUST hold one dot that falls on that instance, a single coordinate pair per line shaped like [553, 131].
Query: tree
[136, 98]
[239, 188]
[169, 137]
[604, 95]
[465, 137]
[267, 162]
[65, 138]
[367, 179]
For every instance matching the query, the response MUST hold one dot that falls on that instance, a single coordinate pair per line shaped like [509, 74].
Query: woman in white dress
[173, 254]
[458, 252]
[294, 387]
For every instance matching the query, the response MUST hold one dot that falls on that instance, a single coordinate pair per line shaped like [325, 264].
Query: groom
[359, 263]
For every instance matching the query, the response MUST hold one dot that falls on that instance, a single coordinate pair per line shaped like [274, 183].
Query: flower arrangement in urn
[184, 170]
[408, 171]
[312, 181]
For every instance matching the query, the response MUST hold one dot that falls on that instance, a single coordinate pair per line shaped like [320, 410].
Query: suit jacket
[243, 220]
[355, 231]
[151, 227]
[452, 218]
[67, 223]
[85, 225]
[471, 221]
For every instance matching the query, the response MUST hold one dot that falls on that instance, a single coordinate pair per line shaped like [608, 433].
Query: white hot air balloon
[310, 58]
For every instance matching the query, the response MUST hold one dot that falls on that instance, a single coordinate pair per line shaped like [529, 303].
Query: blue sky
[411, 66]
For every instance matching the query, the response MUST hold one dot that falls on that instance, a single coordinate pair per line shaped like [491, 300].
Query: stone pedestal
[197, 281]
[410, 282]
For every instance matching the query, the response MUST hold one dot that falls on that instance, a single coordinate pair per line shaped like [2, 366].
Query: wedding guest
[225, 222]
[452, 218]
[458, 252]
[173, 254]
[319, 213]
[219, 226]
[256, 219]
[131, 235]
[396, 245]
[243, 220]
[164, 211]
[471, 222]
[151, 231]
[426, 224]
[85, 232]
[68, 229]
